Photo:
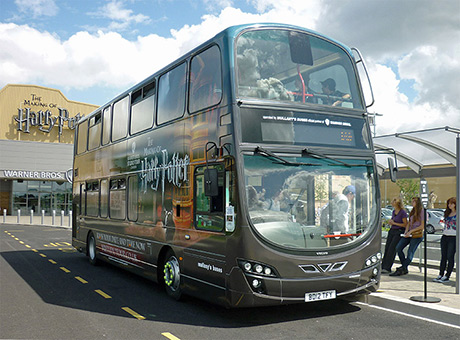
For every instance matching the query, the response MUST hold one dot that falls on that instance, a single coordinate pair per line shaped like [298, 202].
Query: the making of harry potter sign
[39, 115]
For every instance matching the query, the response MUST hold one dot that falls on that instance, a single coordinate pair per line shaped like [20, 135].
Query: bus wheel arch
[170, 274]
[91, 249]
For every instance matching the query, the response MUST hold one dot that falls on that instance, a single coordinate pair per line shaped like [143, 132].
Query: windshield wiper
[317, 154]
[270, 154]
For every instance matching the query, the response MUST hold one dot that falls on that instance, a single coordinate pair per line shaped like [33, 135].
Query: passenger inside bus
[333, 95]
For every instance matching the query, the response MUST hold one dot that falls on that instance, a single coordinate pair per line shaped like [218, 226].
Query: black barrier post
[424, 198]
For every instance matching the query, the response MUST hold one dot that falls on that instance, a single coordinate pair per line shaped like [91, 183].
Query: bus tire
[172, 278]
[92, 251]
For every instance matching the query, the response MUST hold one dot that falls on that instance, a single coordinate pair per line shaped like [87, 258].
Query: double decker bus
[242, 173]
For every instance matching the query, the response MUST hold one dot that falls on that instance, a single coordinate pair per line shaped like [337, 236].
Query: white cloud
[398, 113]
[37, 8]
[121, 18]
[84, 60]
[436, 75]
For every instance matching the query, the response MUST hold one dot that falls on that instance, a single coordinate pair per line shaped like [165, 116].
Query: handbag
[417, 234]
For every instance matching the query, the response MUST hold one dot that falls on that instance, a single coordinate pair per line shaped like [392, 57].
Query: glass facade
[40, 195]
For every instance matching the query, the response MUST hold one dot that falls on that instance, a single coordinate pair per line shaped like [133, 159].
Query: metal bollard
[31, 217]
[43, 216]
[62, 218]
[70, 218]
[4, 215]
[54, 217]
[19, 215]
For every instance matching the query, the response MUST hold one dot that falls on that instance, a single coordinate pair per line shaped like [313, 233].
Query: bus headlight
[373, 260]
[256, 268]
[256, 283]
[259, 268]
[247, 266]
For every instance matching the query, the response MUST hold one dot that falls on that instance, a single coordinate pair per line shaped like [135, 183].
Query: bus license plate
[317, 296]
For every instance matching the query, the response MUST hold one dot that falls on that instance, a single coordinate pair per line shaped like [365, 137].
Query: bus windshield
[311, 202]
[287, 65]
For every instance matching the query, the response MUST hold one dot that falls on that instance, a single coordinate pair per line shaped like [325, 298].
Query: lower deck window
[118, 198]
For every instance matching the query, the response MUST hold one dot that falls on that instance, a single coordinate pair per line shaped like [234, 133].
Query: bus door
[205, 251]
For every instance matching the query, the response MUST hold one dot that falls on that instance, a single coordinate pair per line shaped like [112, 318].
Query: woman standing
[448, 241]
[398, 225]
[413, 235]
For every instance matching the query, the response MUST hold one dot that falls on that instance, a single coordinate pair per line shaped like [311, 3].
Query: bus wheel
[171, 272]
[92, 249]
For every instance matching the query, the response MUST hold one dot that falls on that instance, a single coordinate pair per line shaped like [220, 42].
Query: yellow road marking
[28, 246]
[81, 279]
[35, 250]
[22, 242]
[52, 261]
[16, 239]
[100, 292]
[64, 269]
[170, 336]
[133, 313]
[67, 250]
[42, 255]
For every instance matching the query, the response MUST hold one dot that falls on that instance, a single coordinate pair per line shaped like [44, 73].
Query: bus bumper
[281, 291]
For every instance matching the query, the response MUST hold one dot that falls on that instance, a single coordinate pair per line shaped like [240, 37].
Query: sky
[92, 50]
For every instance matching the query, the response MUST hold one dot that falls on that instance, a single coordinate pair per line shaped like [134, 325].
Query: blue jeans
[413, 244]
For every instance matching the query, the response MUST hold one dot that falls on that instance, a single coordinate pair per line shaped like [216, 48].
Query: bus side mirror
[392, 169]
[211, 186]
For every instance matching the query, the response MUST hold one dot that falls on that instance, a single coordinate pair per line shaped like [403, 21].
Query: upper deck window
[292, 66]
[82, 137]
[205, 80]
[142, 108]
[94, 137]
[120, 119]
[106, 124]
[171, 94]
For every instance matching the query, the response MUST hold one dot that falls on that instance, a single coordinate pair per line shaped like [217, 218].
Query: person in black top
[333, 95]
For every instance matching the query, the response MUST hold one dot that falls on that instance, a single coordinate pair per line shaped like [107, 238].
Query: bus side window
[106, 125]
[81, 206]
[132, 197]
[209, 211]
[82, 137]
[94, 133]
[120, 119]
[142, 108]
[104, 198]
[205, 80]
[92, 198]
[171, 94]
[117, 198]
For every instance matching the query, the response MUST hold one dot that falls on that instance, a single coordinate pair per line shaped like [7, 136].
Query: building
[36, 147]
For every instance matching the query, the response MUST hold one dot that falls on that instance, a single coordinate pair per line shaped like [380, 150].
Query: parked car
[386, 214]
[435, 221]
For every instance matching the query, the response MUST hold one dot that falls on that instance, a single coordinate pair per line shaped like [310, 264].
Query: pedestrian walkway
[58, 221]
[396, 291]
